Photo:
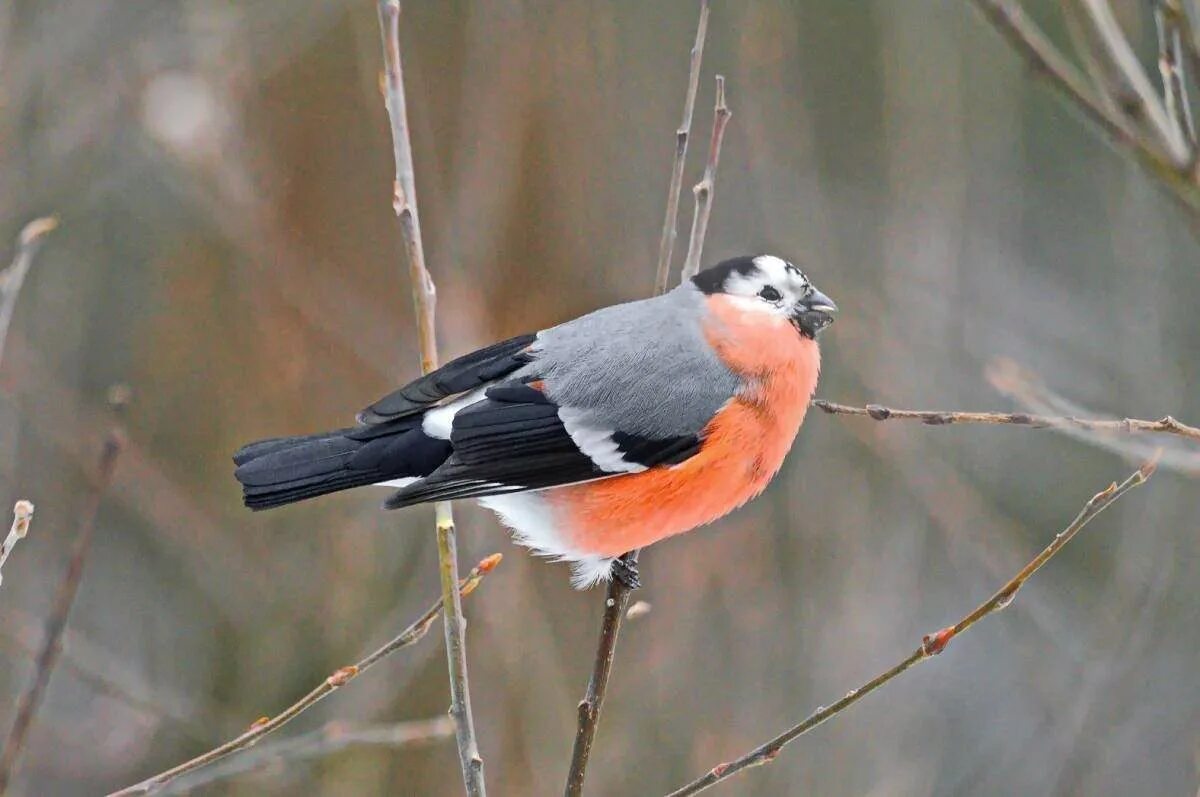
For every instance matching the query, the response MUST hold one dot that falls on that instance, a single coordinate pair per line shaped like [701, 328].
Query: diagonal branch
[1168, 21]
[617, 593]
[424, 300]
[56, 623]
[931, 644]
[331, 738]
[13, 277]
[705, 189]
[666, 244]
[266, 725]
[1165, 425]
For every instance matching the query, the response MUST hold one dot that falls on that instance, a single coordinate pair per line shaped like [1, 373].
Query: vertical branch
[616, 597]
[666, 244]
[705, 188]
[404, 202]
[11, 279]
[22, 515]
[56, 623]
[1167, 19]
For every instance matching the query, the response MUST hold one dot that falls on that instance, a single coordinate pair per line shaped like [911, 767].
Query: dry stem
[11, 279]
[1168, 20]
[260, 728]
[22, 515]
[56, 622]
[616, 596]
[931, 644]
[1165, 425]
[705, 189]
[666, 244]
[424, 301]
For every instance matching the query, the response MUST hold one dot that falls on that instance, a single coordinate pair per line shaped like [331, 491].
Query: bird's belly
[744, 447]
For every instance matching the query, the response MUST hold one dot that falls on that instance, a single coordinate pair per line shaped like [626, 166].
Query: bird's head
[770, 284]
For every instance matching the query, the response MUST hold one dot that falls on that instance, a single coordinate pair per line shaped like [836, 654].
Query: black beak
[814, 313]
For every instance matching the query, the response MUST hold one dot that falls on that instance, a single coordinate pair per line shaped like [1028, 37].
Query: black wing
[514, 440]
[457, 376]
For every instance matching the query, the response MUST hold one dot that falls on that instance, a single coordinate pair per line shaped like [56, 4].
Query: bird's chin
[811, 322]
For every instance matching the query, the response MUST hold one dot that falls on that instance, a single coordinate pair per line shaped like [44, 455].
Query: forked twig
[707, 186]
[931, 644]
[617, 594]
[666, 244]
[260, 728]
[424, 300]
[56, 623]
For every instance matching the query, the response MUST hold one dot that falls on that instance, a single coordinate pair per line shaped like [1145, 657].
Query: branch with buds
[263, 726]
[22, 516]
[931, 644]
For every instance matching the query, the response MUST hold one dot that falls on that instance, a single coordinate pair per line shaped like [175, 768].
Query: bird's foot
[626, 572]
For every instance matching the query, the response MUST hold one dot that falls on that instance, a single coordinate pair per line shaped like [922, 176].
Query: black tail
[284, 470]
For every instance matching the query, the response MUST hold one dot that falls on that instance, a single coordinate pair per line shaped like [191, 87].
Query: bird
[595, 437]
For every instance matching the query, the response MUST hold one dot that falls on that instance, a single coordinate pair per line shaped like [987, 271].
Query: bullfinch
[594, 437]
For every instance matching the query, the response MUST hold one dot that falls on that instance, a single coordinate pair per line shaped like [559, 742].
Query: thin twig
[11, 279]
[931, 644]
[331, 738]
[1165, 425]
[424, 301]
[705, 189]
[1168, 16]
[1024, 36]
[617, 594]
[260, 728]
[666, 244]
[1141, 101]
[56, 622]
[22, 515]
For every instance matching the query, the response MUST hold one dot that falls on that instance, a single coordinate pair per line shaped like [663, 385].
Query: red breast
[744, 443]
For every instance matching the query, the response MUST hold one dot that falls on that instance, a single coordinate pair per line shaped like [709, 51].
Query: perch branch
[331, 738]
[1165, 425]
[261, 727]
[424, 300]
[705, 189]
[931, 644]
[22, 516]
[666, 244]
[11, 279]
[56, 623]
[616, 596]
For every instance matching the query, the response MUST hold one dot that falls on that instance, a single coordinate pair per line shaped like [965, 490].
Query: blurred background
[222, 172]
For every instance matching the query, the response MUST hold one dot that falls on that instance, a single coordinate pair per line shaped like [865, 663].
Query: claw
[627, 573]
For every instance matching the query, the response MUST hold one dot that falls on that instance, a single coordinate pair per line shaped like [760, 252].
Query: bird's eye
[770, 294]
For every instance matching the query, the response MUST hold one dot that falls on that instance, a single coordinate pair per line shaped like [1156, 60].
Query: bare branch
[666, 244]
[1168, 19]
[424, 301]
[931, 644]
[331, 738]
[617, 594]
[266, 725]
[13, 277]
[22, 515]
[56, 623]
[878, 412]
[1007, 17]
[705, 189]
